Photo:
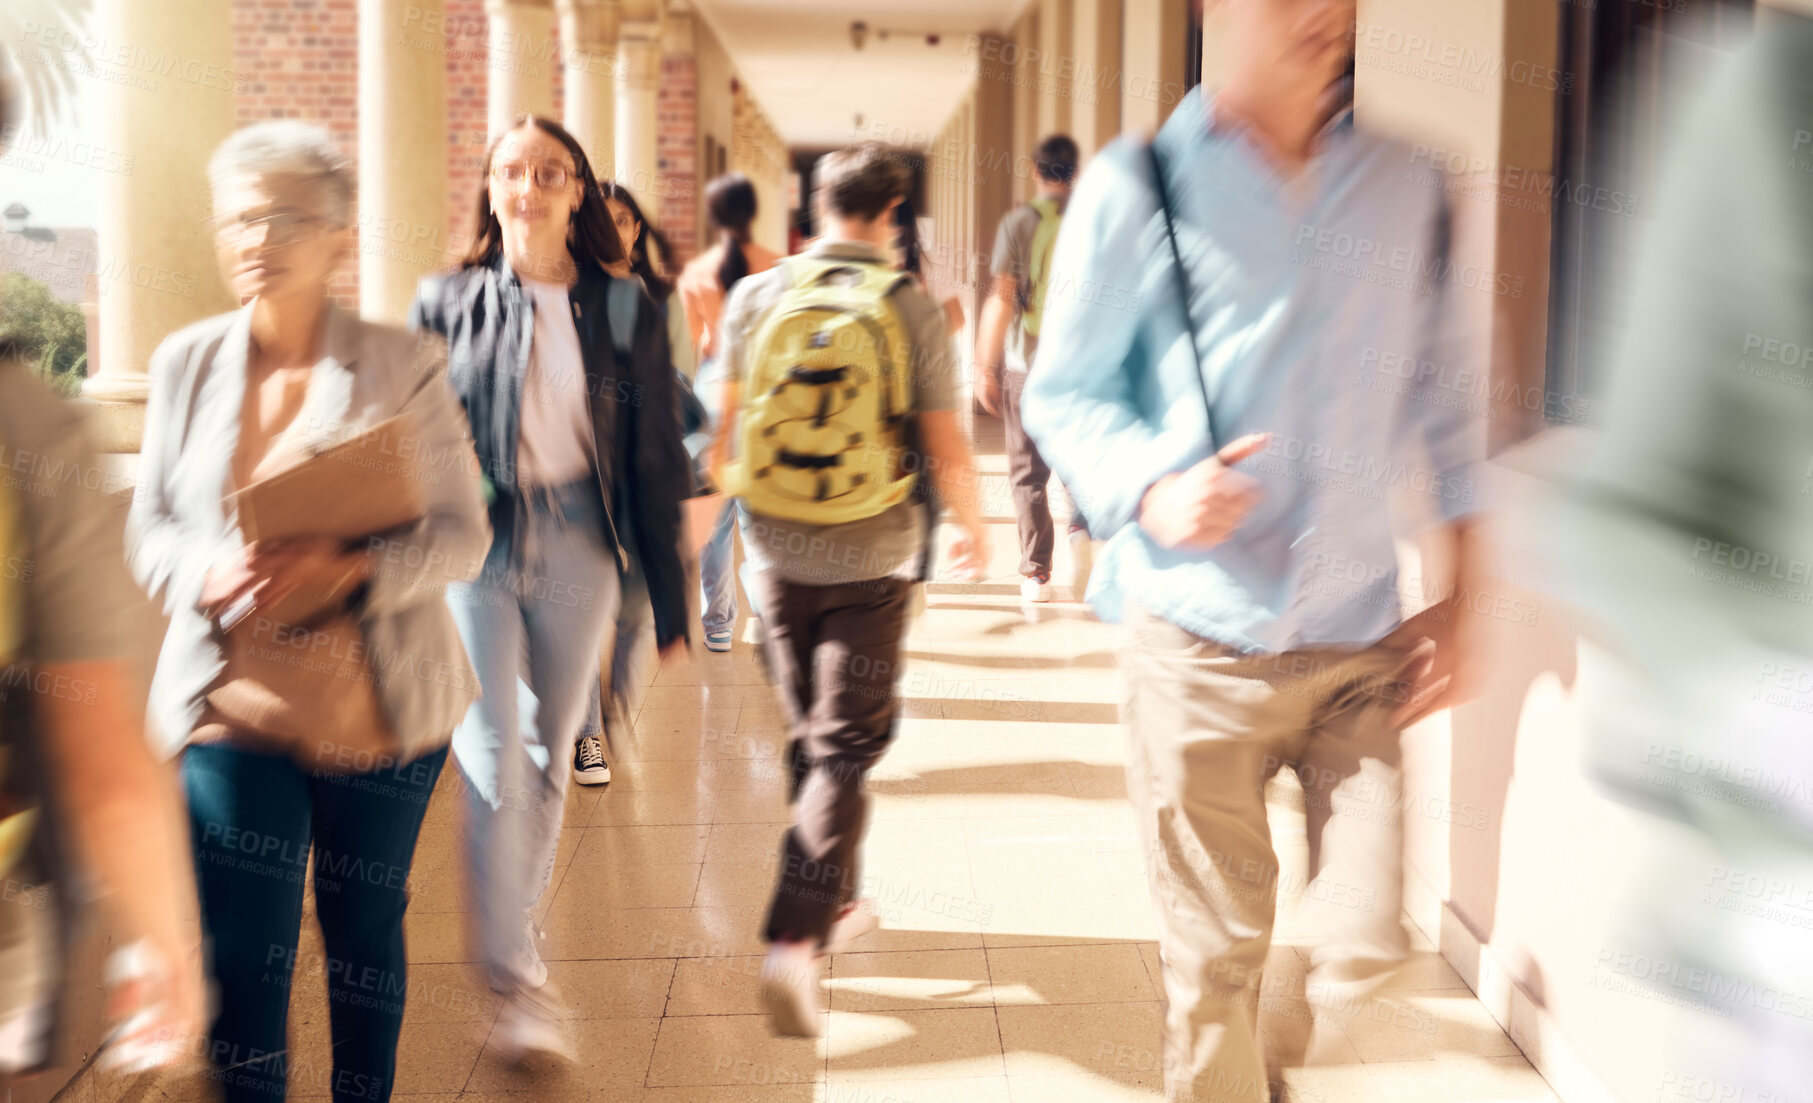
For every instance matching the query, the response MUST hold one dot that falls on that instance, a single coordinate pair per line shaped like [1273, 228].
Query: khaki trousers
[1209, 726]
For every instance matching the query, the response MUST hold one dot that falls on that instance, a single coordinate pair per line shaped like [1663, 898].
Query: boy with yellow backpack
[1007, 338]
[838, 398]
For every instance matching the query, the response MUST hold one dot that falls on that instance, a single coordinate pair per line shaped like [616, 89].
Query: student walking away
[573, 438]
[704, 285]
[633, 643]
[1007, 339]
[337, 754]
[1256, 573]
[836, 337]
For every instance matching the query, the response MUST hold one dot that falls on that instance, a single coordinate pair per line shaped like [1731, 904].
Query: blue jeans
[253, 818]
[718, 577]
[631, 645]
[717, 559]
[535, 630]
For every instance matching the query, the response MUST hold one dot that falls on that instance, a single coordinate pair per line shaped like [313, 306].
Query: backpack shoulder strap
[1156, 163]
[620, 305]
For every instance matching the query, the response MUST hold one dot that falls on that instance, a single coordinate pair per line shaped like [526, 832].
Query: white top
[554, 441]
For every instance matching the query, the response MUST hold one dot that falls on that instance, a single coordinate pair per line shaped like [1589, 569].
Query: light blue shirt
[1328, 314]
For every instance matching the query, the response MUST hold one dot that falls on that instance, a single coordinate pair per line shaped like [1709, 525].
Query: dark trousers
[254, 818]
[1029, 475]
[835, 653]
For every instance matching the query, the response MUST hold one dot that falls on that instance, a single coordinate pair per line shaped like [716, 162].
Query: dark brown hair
[1055, 159]
[652, 264]
[591, 237]
[730, 200]
[860, 181]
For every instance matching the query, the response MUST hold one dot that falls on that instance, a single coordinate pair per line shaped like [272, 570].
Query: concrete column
[990, 159]
[520, 53]
[1152, 54]
[588, 43]
[1095, 116]
[638, 125]
[402, 152]
[1025, 96]
[1056, 68]
[157, 267]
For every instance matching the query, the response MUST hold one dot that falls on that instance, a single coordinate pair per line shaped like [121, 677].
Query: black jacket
[643, 471]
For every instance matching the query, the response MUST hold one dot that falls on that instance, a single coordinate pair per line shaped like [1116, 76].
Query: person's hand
[270, 570]
[988, 392]
[1440, 670]
[228, 578]
[1199, 508]
[969, 553]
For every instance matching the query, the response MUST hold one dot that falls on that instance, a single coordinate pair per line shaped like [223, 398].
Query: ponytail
[735, 265]
[730, 200]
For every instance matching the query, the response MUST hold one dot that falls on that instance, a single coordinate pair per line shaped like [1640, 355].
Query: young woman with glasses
[580, 450]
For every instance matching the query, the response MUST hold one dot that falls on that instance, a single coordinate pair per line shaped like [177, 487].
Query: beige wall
[1057, 66]
[1151, 45]
[732, 119]
[1095, 113]
[974, 176]
[1517, 861]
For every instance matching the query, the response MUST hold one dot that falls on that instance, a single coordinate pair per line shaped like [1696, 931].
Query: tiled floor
[1016, 964]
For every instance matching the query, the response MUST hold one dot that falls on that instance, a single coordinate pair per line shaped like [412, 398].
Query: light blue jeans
[535, 625]
[717, 559]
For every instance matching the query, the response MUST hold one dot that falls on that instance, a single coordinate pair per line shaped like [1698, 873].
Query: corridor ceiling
[798, 59]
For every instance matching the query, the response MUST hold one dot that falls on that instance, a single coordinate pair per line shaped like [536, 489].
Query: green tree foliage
[47, 332]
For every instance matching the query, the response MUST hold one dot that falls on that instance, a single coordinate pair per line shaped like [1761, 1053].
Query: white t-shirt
[554, 442]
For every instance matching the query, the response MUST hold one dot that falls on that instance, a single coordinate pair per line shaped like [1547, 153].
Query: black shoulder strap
[1183, 285]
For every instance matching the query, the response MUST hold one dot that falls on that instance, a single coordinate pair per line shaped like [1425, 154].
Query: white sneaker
[532, 1027]
[790, 989]
[589, 766]
[1082, 558]
[1035, 589]
[853, 922]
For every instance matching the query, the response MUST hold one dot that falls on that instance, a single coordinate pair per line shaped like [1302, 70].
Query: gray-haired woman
[232, 398]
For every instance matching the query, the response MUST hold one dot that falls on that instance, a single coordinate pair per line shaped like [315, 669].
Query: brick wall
[303, 57]
[467, 87]
[677, 153]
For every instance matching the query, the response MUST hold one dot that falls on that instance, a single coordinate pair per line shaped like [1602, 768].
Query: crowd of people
[578, 431]
[565, 448]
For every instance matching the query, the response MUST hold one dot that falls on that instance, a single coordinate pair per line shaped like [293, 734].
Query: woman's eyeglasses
[278, 226]
[546, 177]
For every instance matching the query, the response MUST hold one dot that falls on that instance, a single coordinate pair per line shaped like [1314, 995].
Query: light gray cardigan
[180, 525]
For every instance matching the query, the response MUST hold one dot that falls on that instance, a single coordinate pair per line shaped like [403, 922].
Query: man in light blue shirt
[1260, 582]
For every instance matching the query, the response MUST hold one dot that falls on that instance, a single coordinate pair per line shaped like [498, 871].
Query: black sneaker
[589, 766]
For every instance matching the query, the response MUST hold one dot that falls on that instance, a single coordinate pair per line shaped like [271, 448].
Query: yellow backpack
[1038, 272]
[828, 392]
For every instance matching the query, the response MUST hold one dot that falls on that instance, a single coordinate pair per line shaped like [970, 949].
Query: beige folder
[363, 485]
